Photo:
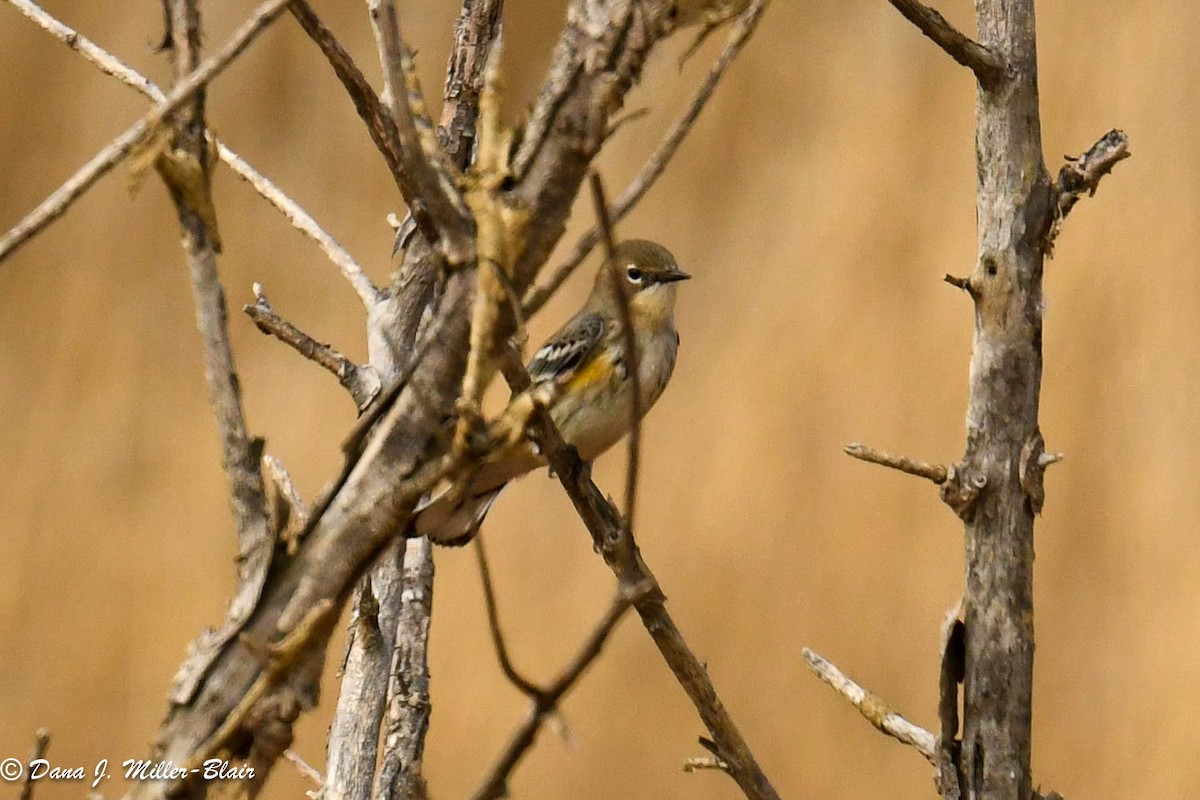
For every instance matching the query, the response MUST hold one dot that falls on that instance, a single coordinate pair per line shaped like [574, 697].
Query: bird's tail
[453, 521]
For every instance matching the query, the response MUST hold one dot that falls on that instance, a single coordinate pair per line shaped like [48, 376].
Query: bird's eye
[634, 274]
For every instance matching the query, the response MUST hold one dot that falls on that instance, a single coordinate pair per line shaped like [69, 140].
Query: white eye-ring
[634, 274]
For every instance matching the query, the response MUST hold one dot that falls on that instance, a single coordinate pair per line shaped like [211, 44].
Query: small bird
[587, 366]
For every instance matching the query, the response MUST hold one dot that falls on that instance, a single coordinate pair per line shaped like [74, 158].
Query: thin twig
[658, 160]
[119, 148]
[922, 469]
[303, 767]
[526, 686]
[545, 703]
[41, 743]
[985, 63]
[361, 381]
[872, 708]
[300, 219]
[287, 510]
[304, 222]
[633, 357]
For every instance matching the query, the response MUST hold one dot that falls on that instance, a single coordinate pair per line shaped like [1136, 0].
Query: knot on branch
[1032, 469]
[961, 490]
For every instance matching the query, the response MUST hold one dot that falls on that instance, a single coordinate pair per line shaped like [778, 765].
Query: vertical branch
[185, 164]
[1002, 418]
[408, 706]
[621, 291]
[360, 734]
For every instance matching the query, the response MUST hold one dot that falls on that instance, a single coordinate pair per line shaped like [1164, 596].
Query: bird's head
[648, 274]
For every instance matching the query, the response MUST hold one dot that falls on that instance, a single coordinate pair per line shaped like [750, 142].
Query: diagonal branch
[361, 381]
[119, 148]
[922, 469]
[299, 218]
[873, 709]
[984, 62]
[545, 702]
[658, 160]
[398, 450]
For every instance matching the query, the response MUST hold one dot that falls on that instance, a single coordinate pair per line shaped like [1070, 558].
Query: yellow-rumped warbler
[585, 364]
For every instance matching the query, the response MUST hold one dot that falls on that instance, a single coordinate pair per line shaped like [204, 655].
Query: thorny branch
[997, 488]
[1082, 174]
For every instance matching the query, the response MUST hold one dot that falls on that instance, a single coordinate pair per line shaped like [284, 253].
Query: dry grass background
[818, 202]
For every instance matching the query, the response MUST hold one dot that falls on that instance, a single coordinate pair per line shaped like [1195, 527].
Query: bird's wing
[565, 351]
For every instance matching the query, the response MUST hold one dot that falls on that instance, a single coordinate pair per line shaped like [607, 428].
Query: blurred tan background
[818, 202]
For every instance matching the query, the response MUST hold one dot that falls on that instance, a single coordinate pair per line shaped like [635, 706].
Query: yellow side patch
[598, 370]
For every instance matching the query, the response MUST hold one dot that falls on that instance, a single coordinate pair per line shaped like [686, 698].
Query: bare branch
[495, 784]
[299, 218]
[433, 192]
[408, 705]
[393, 328]
[398, 450]
[304, 768]
[1082, 175]
[370, 109]
[119, 148]
[352, 746]
[934, 472]
[631, 345]
[361, 381]
[41, 743]
[185, 167]
[299, 644]
[984, 62]
[872, 708]
[526, 686]
[657, 163]
[302, 221]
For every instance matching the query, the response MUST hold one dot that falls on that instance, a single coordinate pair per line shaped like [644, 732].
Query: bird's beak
[671, 277]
